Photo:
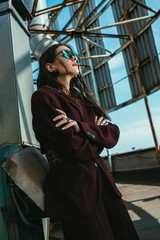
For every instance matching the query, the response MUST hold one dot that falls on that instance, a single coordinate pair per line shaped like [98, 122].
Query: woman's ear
[50, 67]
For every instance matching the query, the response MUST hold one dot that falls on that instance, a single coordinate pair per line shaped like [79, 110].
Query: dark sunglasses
[69, 54]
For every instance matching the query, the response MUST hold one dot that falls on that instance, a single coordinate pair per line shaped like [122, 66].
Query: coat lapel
[77, 106]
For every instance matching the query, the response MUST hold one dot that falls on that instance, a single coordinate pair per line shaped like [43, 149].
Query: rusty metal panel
[145, 47]
[102, 73]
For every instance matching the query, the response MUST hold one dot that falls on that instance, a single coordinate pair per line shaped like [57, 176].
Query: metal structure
[147, 80]
[137, 46]
[84, 14]
[144, 46]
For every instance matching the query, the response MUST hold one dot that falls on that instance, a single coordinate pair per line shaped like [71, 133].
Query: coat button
[95, 165]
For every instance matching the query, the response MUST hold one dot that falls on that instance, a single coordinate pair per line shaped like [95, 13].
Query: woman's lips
[75, 64]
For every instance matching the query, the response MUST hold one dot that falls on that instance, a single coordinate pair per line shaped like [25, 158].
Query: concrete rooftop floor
[141, 195]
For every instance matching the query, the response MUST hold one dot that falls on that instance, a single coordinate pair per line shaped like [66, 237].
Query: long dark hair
[78, 88]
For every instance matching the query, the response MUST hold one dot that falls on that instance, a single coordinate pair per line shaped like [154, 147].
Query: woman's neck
[65, 81]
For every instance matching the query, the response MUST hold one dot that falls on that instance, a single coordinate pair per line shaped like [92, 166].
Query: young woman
[73, 130]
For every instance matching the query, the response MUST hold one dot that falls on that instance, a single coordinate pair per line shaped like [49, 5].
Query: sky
[135, 130]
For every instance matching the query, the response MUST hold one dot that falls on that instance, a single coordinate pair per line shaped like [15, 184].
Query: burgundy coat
[72, 189]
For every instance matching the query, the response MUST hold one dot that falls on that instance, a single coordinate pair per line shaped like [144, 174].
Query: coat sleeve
[66, 142]
[107, 136]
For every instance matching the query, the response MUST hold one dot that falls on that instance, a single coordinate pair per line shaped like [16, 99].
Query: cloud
[116, 62]
[137, 134]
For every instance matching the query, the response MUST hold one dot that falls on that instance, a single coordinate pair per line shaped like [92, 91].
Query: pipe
[40, 20]
[39, 43]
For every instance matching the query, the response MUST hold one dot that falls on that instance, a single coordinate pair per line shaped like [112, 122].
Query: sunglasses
[69, 54]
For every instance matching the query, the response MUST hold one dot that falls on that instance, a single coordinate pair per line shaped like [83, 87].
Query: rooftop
[141, 195]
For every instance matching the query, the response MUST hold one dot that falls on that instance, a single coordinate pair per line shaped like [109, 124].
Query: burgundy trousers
[110, 221]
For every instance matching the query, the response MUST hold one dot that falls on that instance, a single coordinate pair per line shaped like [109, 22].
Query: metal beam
[112, 55]
[35, 70]
[100, 13]
[92, 13]
[81, 13]
[95, 44]
[55, 15]
[126, 44]
[132, 7]
[77, 33]
[154, 18]
[55, 8]
[144, 6]
[94, 56]
[62, 39]
[130, 101]
[85, 66]
[129, 76]
[120, 23]
[33, 59]
[34, 7]
[68, 23]
[80, 18]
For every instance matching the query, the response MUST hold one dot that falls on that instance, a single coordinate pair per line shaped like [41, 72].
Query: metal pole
[140, 79]
[120, 23]
[95, 44]
[95, 56]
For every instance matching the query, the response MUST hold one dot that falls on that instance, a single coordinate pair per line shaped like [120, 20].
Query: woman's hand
[64, 119]
[101, 121]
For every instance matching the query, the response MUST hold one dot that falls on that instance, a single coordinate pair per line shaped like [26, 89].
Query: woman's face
[64, 65]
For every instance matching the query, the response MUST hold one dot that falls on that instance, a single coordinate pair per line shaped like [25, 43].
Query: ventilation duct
[16, 82]
[39, 43]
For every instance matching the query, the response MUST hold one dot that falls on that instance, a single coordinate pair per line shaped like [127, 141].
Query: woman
[73, 130]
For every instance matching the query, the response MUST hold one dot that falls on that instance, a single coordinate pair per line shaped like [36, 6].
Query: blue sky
[132, 119]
